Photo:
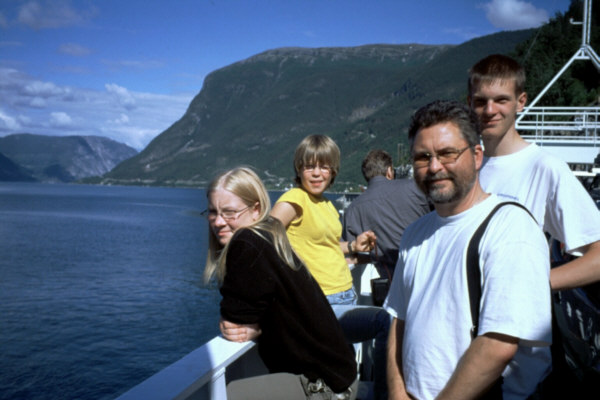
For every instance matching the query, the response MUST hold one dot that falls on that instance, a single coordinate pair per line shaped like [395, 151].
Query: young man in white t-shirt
[520, 171]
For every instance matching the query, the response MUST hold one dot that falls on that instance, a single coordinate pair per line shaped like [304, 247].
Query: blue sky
[128, 69]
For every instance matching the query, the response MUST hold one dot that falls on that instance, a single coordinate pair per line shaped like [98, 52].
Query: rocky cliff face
[64, 158]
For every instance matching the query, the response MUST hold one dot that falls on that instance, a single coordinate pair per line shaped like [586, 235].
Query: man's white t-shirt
[549, 189]
[429, 292]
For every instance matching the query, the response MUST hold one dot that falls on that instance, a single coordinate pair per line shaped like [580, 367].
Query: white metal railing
[570, 127]
[203, 374]
[567, 140]
[198, 375]
[585, 120]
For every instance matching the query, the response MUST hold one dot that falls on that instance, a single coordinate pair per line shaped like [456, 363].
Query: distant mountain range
[27, 157]
[256, 111]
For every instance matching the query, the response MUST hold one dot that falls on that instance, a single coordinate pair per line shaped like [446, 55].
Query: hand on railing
[239, 332]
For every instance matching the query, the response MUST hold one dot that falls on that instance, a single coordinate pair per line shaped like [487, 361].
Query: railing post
[218, 387]
[595, 125]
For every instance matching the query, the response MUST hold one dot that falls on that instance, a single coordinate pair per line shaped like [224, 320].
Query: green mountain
[61, 158]
[256, 111]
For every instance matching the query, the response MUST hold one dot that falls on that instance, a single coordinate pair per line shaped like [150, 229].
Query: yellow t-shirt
[315, 237]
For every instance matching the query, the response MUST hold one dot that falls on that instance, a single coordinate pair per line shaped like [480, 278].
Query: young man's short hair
[494, 68]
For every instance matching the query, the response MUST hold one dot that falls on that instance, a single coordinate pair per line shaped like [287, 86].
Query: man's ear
[521, 101]
[390, 174]
[478, 150]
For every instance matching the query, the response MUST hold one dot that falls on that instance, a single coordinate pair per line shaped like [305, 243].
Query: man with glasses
[431, 350]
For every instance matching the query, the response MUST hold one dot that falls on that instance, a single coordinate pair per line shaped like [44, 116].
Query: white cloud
[40, 107]
[23, 120]
[52, 14]
[11, 78]
[122, 120]
[60, 120]
[137, 137]
[38, 102]
[122, 95]
[73, 49]
[133, 64]
[8, 122]
[43, 89]
[514, 14]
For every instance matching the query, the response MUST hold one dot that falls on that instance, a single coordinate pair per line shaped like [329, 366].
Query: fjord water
[100, 287]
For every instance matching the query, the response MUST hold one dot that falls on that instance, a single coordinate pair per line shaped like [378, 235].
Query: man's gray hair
[443, 111]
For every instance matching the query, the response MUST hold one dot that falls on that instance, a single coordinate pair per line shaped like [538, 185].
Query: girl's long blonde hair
[245, 184]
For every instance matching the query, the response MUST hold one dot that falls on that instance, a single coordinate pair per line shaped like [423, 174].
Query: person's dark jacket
[300, 333]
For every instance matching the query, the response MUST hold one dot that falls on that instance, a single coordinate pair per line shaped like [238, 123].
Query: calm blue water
[100, 287]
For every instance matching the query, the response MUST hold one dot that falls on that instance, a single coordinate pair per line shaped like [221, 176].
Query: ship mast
[581, 124]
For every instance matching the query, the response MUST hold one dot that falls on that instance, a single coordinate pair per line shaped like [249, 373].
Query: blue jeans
[362, 323]
[347, 297]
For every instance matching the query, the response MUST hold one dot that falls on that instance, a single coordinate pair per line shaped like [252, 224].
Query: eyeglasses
[445, 156]
[310, 168]
[227, 215]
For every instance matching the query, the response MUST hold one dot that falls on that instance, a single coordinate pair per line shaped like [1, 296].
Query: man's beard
[443, 194]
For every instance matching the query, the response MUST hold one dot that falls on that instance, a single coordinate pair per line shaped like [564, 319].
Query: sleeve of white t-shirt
[571, 215]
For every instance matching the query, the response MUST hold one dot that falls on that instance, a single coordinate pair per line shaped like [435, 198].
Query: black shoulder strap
[473, 270]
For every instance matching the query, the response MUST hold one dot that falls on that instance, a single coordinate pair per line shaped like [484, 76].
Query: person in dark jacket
[270, 296]
[387, 207]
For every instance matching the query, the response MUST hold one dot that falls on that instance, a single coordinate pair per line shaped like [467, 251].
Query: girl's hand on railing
[239, 332]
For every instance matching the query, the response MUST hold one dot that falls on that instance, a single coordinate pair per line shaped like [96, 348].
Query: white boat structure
[570, 133]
